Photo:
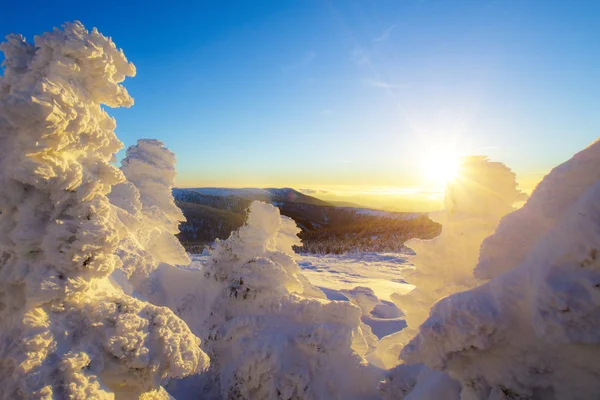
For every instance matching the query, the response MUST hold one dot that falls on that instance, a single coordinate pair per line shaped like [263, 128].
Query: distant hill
[268, 195]
[214, 212]
[346, 204]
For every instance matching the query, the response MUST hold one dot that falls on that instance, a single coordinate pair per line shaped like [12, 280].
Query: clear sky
[348, 95]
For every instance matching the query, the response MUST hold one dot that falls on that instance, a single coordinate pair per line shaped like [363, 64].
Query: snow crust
[66, 330]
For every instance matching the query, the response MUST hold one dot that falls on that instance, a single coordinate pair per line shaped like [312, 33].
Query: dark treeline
[368, 233]
[326, 229]
[206, 224]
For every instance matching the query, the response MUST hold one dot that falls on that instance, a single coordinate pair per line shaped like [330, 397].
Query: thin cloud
[360, 57]
[315, 191]
[308, 57]
[385, 34]
[307, 191]
[381, 84]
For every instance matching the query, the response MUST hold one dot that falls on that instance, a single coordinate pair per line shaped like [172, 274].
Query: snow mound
[382, 317]
[533, 331]
[66, 331]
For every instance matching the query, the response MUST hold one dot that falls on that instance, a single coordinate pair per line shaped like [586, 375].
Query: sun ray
[440, 167]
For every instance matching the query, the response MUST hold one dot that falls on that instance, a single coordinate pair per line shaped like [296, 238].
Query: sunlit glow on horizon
[440, 167]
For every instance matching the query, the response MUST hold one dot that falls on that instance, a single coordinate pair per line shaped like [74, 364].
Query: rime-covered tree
[151, 168]
[66, 331]
[533, 330]
[269, 333]
[475, 201]
[519, 231]
[145, 206]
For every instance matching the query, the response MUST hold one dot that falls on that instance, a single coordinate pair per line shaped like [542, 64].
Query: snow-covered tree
[475, 201]
[558, 191]
[151, 168]
[145, 206]
[532, 331]
[65, 330]
[269, 333]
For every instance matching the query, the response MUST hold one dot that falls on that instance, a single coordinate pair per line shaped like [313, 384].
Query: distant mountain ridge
[326, 228]
[268, 195]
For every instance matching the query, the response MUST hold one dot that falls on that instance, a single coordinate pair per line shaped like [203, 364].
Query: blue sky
[347, 94]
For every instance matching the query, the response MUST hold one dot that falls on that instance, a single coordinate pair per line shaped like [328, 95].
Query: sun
[441, 167]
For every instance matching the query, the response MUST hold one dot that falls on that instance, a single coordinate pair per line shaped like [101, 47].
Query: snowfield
[381, 272]
[366, 279]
